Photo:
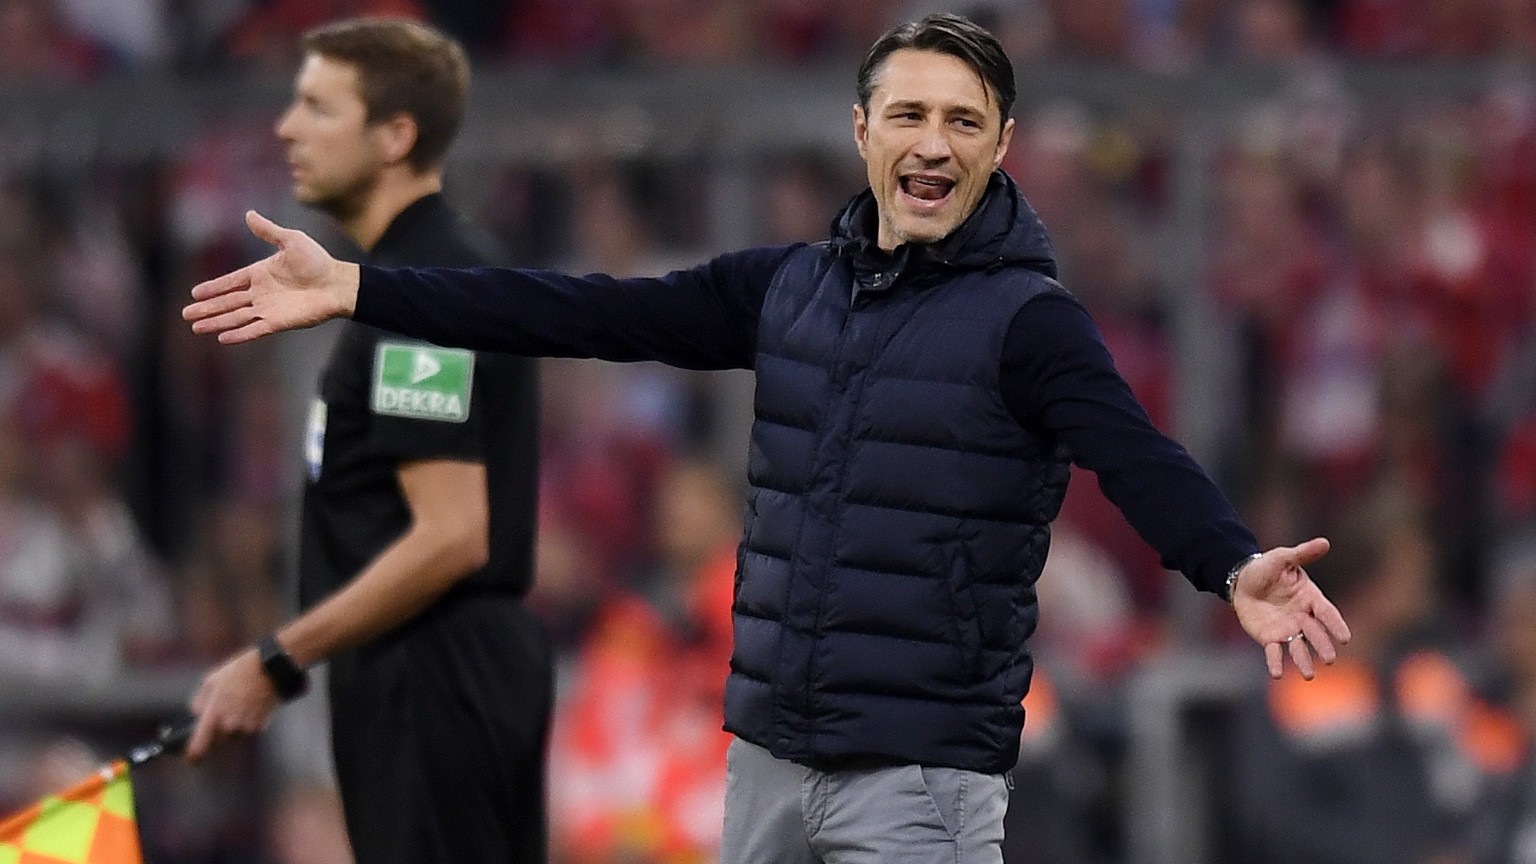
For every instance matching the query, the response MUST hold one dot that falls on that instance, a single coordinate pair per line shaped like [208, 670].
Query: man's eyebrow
[952, 110]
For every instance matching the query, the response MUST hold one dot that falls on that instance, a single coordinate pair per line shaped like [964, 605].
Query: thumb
[265, 228]
[1310, 551]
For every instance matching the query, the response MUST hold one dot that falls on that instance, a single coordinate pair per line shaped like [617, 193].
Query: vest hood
[1003, 230]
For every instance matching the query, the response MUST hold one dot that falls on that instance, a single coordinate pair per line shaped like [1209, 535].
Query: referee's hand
[235, 699]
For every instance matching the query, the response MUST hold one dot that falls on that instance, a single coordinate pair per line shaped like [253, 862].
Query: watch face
[287, 678]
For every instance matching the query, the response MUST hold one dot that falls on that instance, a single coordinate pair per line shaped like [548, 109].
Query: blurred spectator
[1514, 27]
[858, 25]
[796, 30]
[559, 31]
[124, 599]
[267, 36]
[1505, 831]
[1101, 257]
[83, 595]
[211, 813]
[66, 382]
[1381, 757]
[1100, 30]
[638, 755]
[240, 531]
[1457, 28]
[1273, 31]
[1049, 158]
[20, 213]
[682, 32]
[83, 37]
[1399, 29]
[132, 31]
[1058, 784]
[1379, 28]
[608, 429]
[209, 618]
[1269, 264]
[698, 527]
[57, 766]
[37, 46]
[569, 587]
[599, 466]
[1089, 629]
[1330, 406]
[802, 188]
[1471, 278]
[96, 273]
[36, 567]
[475, 24]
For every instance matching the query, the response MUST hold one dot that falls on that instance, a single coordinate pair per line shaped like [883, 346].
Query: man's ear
[397, 136]
[860, 128]
[1003, 140]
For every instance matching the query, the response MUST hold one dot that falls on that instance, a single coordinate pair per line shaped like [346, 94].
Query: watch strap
[288, 678]
[1230, 588]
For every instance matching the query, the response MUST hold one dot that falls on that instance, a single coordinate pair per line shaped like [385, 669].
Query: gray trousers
[780, 812]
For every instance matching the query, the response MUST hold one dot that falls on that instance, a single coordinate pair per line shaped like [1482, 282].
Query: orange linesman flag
[90, 824]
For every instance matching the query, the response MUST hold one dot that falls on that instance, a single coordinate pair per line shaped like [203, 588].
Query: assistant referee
[417, 529]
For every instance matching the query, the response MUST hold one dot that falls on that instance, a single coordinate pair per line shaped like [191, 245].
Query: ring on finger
[1292, 638]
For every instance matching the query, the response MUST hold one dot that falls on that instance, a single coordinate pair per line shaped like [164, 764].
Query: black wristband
[287, 677]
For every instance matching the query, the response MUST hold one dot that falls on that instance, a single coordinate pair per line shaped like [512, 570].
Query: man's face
[334, 154]
[930, 140]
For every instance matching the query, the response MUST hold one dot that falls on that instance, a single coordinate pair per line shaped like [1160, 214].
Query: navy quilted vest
[898, 515]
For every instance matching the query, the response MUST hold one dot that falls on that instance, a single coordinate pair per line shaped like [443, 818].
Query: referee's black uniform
[439, 727]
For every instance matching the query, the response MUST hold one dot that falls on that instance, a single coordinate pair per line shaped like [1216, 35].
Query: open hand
[300, 285]
[1280, 606]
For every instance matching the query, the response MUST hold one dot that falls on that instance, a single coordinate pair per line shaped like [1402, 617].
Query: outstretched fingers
[256, 329]
[1301, 655]
[1313, 633]
[233, 281]
[223, 324]
[1274, 658]
[203, 312]
[1328, 614]
[1307, 643]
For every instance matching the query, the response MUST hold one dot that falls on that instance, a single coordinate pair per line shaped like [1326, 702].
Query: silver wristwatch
[1236, 569]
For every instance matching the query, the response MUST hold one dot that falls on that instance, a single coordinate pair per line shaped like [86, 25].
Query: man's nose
[933, 144]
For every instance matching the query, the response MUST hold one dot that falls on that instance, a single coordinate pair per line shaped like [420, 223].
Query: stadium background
[1306, 227]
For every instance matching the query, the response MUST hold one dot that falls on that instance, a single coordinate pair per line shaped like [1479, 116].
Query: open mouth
[927, 190]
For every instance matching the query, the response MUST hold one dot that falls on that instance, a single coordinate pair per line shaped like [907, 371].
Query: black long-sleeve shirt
[1057, 375]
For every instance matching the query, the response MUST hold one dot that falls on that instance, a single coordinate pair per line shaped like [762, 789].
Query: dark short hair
[947, 34]
[403, 67]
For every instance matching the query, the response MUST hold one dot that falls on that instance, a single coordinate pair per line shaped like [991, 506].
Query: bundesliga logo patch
[422, 382]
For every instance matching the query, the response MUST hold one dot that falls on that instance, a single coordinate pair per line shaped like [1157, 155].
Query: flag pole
[170, 738]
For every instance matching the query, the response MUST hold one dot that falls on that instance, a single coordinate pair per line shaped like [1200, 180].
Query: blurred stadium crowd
[80, 39]
[1364, 280]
